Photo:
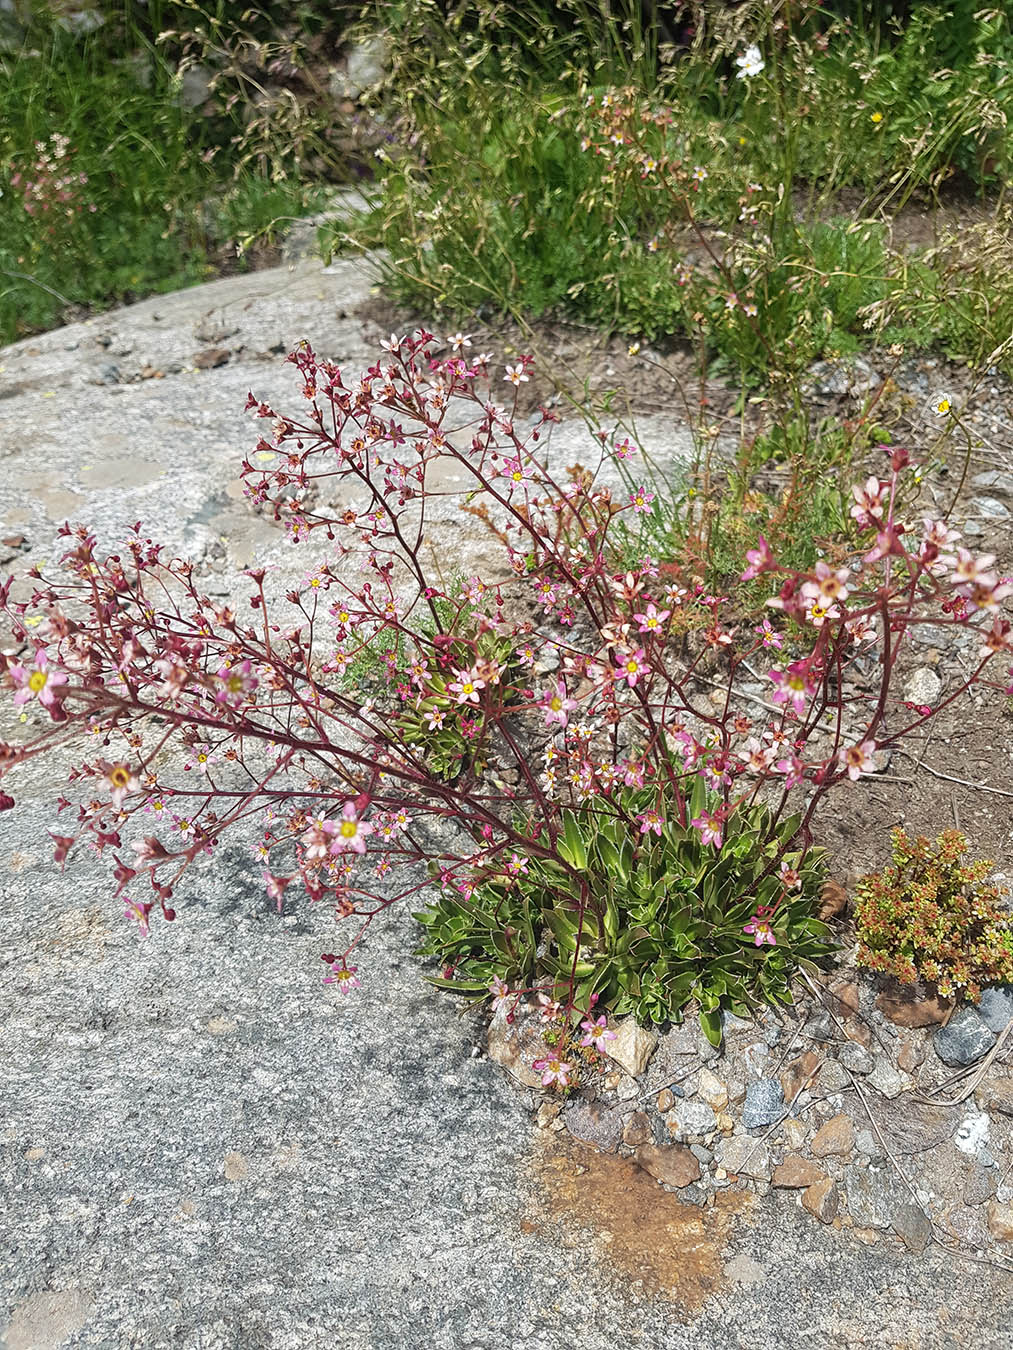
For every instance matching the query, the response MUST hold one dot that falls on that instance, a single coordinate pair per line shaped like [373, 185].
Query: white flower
[750, 63]
[941, 405]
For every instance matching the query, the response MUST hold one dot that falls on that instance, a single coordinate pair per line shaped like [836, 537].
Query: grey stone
[745, 1156]
[964, 1039]
[996, 1007]
[594, 1123]
[868, 1144]
[912, 1226]
[988, 507]
[834, 378]
[195, 87]
[764, 1103]
[887, 1079]
[995, 481]
[980, 1184]
[923, 686]
[819, 1027]
[856, 1058]
[912, 1127]
[874, 1195]
[703, 1155]
[693, 1119]
[833, 1077]
[365, 66]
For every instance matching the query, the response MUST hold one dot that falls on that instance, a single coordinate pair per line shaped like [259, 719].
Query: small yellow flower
[942, 405]
[876, 118]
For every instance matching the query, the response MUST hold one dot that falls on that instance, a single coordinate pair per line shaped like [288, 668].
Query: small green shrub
[667, 919]
[929, 917]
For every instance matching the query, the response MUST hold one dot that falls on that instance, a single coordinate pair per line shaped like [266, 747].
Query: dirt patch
[647, 1238]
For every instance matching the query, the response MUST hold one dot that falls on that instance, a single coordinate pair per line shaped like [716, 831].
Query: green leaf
[711, 1024]
[573, 849]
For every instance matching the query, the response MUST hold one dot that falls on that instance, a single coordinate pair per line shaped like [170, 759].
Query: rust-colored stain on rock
[644, 1233]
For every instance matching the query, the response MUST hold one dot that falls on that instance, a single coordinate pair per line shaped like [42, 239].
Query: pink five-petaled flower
[500, 991]
[709, 827]
[120, 780]
[769, 636]
[793, 685]
[138, 913]
[553, 1070]
[435, 718]
[760, 931]
[641, 499]
[549, 1008]
[829, 586]
[760, 559]
[652, 618]
[632, 666]
[466, 686]
[352, 831]
[596, 1032]
[37, 681]
[868, 507]
[343, 976]
[857, 759]
[234, 683]
[557, 705]
[650, 820]
[515, 374]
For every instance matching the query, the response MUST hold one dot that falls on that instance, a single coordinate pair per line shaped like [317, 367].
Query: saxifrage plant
[607, 734]
[929, 916]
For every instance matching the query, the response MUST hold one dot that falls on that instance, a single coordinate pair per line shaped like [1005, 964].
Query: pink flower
[137, 913]
[120, 780]
[760, 930]
[37, 681]
[596, 1032]
[760, 559]
[344, 977]
[857, 759]
[466, 686]
[234, 683]
[515, 374]
[557, 705]
[500, 991]
[652, 619]
[770, 636]
[549, 1008]
[632, 666]
[650, 820]
[793, 685]
[709, 827]
[553, 1070]
[754, 756]
[790, 878]
[829, 586]
[641, 499]
[351, 833]
[868, 506]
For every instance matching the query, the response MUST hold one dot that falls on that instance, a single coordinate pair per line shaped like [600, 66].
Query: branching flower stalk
[537, 743]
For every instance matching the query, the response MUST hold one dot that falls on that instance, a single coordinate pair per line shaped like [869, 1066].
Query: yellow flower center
[119, 777]
[37, 681]
[349, 829]
[555, 703]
